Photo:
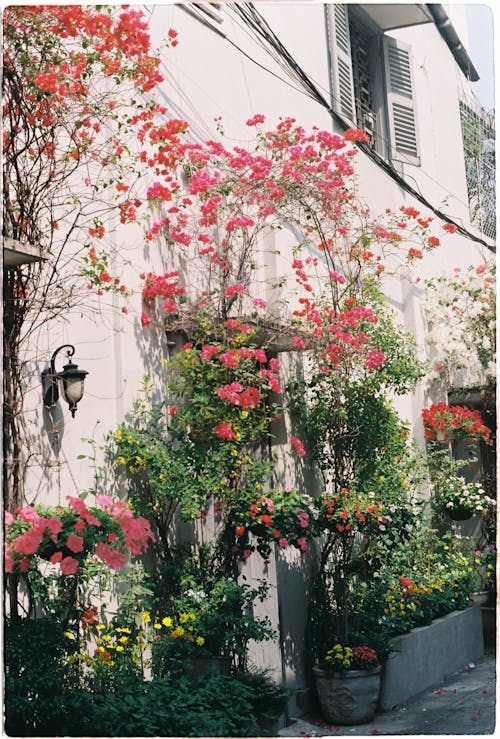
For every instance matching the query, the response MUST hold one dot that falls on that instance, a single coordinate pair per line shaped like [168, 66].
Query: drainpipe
[445, 28]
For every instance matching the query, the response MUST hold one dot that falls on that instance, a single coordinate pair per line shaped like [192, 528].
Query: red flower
[224, 431]
[75, 543]
[299, 447]
[354, 134]
[258, 118]
[249, 398]
[68, 565]
[90, 616]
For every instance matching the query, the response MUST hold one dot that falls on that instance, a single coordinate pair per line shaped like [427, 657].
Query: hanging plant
[67, 536]
[454, 421]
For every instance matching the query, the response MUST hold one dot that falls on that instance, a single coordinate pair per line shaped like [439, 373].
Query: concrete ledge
[428, 654]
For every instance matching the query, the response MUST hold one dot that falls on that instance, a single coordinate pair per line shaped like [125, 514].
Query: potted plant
[485, 561]
[443, 422]
[461, 500]
[348, 684]
[208, 630]
[451, 493]
[268, 699]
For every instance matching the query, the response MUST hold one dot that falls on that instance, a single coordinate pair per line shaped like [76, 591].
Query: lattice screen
[478, 133]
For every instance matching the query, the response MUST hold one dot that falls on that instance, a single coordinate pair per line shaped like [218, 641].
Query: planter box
[428, 654]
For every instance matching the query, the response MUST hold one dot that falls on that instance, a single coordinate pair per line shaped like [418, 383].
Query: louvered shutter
[341, 65]
[400, 101]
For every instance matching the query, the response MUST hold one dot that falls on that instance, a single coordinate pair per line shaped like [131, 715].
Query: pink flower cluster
[236, 394]
[158, 192]
[374, 359]
[137, 531]
[234, 290]
[46, 532]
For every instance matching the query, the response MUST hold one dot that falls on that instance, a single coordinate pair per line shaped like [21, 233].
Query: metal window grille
[478, 134]
[362, 79]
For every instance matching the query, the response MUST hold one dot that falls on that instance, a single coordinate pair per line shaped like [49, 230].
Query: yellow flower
[69, 635]
[119, 649]
[157, 626]
[146, 617]
[123, 639]
[200, 641]
[183, 618]
[101, 627]
[167, 621]
[122, 460]
[118, 435]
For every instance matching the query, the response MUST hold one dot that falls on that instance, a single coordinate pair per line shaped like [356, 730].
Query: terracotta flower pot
[348, 697]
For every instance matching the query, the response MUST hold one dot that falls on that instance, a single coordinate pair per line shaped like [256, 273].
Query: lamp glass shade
[73, 389]
[72, 385]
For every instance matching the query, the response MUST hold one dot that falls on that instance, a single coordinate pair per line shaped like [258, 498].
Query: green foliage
[41, 704]
[402, 369]
[215, 614]
[354, 433]
[215, 706]
[36, 677]
[426, 578]
[268, 699]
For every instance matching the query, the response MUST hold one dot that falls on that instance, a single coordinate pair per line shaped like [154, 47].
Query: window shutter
[341, 83]
[400, 101]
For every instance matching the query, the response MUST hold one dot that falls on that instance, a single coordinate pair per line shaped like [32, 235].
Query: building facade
[399, 72]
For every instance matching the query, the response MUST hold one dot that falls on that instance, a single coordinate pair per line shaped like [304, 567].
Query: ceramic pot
[480, 598]
[348, 697]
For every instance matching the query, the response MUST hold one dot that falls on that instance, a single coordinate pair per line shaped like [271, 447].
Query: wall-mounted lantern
[71, 378]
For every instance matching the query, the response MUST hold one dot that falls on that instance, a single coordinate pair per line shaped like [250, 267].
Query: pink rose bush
[68, 535]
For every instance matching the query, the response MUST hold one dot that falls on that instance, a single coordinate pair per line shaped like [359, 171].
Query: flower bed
[426, 655]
